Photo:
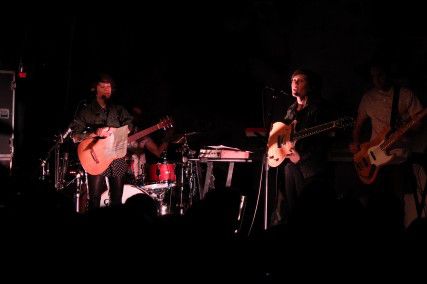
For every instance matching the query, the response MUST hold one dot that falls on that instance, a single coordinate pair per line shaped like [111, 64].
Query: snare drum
[161, 173]
[160, 177]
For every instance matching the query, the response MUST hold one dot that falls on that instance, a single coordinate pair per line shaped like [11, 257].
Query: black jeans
[97, 186]
[299, 191]
[384, 199]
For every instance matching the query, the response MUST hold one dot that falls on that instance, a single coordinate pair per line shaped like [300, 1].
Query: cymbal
[180, 138]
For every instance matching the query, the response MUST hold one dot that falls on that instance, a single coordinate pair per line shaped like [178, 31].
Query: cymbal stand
[193, 181]
[61, 164]
[81, 180]
[78, 191]
[184, 169]
[60, 168]
[187, 177]
[44, 169]
[44, 163]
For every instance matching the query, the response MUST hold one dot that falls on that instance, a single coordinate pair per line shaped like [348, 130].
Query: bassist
[385, 105]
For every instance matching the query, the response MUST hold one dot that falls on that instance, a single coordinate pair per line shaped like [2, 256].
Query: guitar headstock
[166, 123]
[344, 122]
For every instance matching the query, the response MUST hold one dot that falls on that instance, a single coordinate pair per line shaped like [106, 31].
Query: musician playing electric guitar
[96, 122]
[306, 161]
[379, 164]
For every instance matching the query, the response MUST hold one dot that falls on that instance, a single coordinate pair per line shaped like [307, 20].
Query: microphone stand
[275, 95]
[264, 167]
[266, 191]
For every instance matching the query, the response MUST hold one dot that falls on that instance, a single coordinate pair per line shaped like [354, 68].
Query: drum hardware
[193, 180]
[44, 170]
[79, 190]
[66, 171]
[187, 174]
[242, 207]
[63, 170]
[60, 163]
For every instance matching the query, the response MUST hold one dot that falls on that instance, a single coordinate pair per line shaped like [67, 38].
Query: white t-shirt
[377, 106]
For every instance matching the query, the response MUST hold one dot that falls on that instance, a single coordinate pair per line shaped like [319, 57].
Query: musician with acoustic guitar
[92, 127]
[305, 162]
[381, 163]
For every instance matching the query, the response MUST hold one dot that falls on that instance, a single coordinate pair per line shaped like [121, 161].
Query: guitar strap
[290, 114]
[394, 108]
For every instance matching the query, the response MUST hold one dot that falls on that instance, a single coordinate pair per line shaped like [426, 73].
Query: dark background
[204, 64]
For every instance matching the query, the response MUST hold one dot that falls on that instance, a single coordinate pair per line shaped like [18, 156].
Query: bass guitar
[375, 154]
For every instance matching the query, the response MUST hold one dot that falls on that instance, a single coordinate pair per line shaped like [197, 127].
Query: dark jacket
[313, 149]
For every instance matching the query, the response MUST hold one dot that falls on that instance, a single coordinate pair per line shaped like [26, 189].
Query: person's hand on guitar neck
[102, 132]
[354, 147]
[292, 155]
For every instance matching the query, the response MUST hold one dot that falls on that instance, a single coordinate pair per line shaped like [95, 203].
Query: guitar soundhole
[92, 152]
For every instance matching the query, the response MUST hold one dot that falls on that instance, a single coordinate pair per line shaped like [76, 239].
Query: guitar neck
[395, 136]
[314, 130]
[143, 133]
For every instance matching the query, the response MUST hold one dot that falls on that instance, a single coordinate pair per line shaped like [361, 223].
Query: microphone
[270, 88]
[284, 93]
[65, 135]
[277, 93]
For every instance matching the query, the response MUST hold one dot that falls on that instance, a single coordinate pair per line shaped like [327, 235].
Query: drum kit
[173, 184]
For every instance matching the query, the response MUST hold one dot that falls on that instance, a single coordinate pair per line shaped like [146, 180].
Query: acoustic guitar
[96, 154]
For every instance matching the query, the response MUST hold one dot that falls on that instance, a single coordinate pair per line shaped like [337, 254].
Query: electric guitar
[96, 154]
[374, 154]
[281, 133]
